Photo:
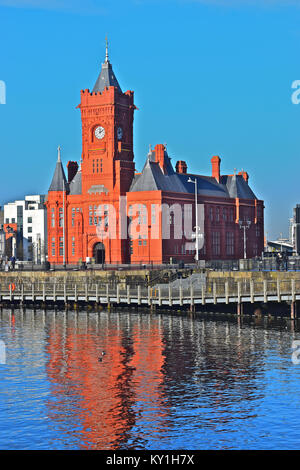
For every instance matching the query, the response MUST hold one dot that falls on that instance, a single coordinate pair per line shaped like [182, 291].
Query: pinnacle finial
[106, 49]
[58, 153]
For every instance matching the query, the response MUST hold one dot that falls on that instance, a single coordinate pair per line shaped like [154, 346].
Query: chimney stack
[216, 161]
[160, 155]
[72, 170]
[181, 167]
[245, 175]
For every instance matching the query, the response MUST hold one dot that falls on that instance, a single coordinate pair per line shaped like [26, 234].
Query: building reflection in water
[107, 397]
[157, 371]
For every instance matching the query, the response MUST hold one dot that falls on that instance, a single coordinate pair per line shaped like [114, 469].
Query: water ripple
[163, 382]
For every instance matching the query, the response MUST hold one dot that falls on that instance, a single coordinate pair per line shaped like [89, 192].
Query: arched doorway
[99, 253]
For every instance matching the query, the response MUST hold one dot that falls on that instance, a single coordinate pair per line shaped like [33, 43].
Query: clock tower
[107, 135]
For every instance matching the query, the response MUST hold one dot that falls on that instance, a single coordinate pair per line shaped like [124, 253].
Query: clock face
[120, 133]
[99, 132]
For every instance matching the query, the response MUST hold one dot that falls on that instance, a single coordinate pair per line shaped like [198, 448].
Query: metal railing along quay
[266, 263]
[219, 291]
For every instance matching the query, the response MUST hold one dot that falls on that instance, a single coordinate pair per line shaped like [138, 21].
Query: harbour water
[107, 380]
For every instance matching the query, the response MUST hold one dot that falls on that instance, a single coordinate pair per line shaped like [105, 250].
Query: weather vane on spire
[106, 49]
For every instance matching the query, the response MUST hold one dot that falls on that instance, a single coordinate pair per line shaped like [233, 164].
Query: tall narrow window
[106, 218]
[216, 245]
[153, 214]
[255, 249]
[61, 217]
[53, 246]
[203, 249]
[229, 243]
[52, 217]
[61, 246]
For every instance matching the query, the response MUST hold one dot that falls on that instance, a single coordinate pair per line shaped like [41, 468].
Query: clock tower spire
[106, 50]
[107, 135]
[107, 77]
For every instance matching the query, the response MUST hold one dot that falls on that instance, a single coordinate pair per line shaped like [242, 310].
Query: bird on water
[100, 358]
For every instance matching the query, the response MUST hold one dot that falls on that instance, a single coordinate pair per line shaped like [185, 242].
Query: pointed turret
[107, 77]
[59, 181]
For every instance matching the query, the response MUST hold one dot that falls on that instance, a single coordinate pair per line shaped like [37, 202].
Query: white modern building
[2, 235]
[30, 215]
[292, 232]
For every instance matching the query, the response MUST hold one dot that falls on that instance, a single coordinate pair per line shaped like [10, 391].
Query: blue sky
[211, 77]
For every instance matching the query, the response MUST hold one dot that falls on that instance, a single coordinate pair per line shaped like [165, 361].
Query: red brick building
[106, 211]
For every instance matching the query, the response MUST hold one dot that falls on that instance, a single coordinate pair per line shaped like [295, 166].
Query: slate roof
[76, 184]
[238, 187]
[152, 178]
[59, 181]
[106, 78]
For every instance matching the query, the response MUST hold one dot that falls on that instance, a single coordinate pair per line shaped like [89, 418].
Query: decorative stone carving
[98, 189]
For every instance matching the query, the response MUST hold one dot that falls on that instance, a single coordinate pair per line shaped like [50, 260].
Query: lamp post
[2, 243]
[64, 212]
[64, 228]
[196, 217]
[245, 225]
